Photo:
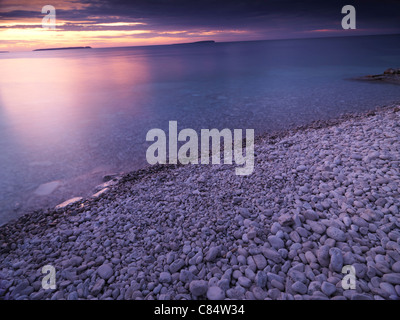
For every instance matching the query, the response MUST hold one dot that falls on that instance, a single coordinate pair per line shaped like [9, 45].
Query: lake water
[72, 116]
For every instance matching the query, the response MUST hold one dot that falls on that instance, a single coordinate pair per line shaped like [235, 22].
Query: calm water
[72, 116]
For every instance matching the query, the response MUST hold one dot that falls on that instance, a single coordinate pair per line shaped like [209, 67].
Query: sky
[114, 23]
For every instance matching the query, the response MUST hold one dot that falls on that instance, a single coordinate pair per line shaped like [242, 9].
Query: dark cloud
[19, 14]
[257, 15]
[244, 12]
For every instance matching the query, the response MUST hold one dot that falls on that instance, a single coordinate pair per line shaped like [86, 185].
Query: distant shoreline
[219, 42]
[66, 48]
[196, 42]
[88, 47]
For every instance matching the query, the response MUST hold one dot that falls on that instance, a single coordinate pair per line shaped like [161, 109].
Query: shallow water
[72, 116]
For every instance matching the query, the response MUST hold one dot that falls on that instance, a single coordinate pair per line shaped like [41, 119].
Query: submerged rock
[47, 188]
[390, 75]
[68, 202]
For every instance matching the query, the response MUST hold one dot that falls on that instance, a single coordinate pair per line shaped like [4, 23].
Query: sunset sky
[109, 23]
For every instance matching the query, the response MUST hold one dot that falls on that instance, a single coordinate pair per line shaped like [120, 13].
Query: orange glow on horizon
[26, 33]
[324, 30]
[15, 35]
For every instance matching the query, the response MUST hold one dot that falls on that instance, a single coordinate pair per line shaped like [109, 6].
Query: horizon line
[215, 42]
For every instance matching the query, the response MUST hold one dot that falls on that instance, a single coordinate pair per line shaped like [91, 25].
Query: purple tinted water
[71, 116]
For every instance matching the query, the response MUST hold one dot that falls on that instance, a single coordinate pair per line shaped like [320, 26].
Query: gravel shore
[321, 197]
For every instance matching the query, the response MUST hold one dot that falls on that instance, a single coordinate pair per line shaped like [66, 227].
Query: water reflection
[56, 115]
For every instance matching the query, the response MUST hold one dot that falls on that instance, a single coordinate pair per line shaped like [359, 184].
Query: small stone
[73, 296]
[236, 293]
[279, 285]
[99, 260]
[165, 277]
[186, 276]
[336, 262]
[260, 261]
[74, 261]
[244, 212]
[310, 257]
[356, 156]
[261, 279]
[314, 286]
[224, 284]
[215, 293]
[295, 237]
[212, 254]
[358, 204]
[98, 287]
[393, 278]
[394, 210]
[285, 220]
[336, 234]
[311, 215]
[299, 287]
[251, 234]
[328, 288]
[271, 254]
[259, 293]
[389, 288]
[323, 256]
[198, 287]
[297, 275]
[276, 242]
[360, 222]
[237, 200]
[244, 282]
[238, 234]
[396, 267]
[105, 271]
[37, 295]
[301, 168]
[348, 258]
[381, 202]
[176, 265]
[317, 227]
[186, 249]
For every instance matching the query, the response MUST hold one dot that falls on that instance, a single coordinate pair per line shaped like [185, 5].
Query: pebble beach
[321, 197]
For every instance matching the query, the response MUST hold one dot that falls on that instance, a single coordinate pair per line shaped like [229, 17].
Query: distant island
[197, 42]
[4, 51]
[66, 48]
